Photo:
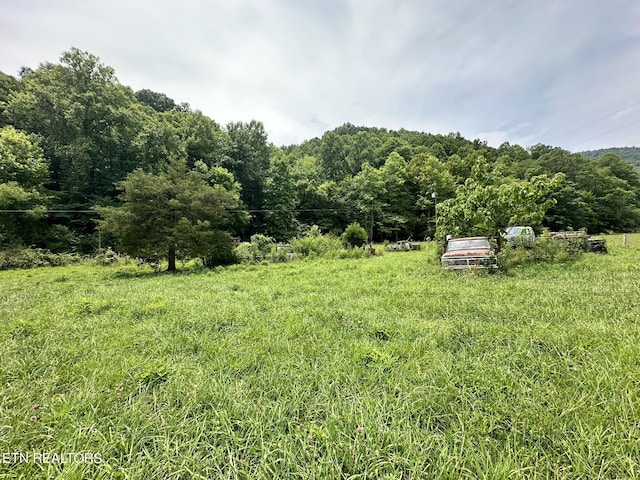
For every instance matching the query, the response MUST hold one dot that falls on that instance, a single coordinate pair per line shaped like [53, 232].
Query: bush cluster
[108, 257]
[354, 236]
[37, 257]
[313, 244]
[545, 250]
[260, 248]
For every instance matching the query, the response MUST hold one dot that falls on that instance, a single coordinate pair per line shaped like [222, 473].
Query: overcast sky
[559, 72]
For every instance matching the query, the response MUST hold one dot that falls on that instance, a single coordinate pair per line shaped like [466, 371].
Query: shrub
[260, 248]
[109, 257]
[282, 255]
[32, 258]
[545, 250]
[220, 250]
[354, 236]
[244, 252]
[262, 245]
[315, 245]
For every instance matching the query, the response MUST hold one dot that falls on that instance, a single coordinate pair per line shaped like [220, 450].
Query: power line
[293, 210]
[49, 211]
[230, 211]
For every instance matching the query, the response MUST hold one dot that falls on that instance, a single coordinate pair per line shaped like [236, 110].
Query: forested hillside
[630, 154]
[75, 145]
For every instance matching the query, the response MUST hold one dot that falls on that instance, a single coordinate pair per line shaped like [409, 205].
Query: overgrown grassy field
[385, 367]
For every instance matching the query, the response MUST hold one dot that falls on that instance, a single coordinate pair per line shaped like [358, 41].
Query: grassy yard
[385, 367]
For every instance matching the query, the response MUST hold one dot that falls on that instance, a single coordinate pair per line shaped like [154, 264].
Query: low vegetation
[384, 367]
[30, 258]
[545, 250]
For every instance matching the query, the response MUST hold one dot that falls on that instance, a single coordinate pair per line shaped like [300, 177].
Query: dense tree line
[631, 154]
[75, 143]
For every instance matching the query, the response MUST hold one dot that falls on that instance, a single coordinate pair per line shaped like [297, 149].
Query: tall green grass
[386, 367]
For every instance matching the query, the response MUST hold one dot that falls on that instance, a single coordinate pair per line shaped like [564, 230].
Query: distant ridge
[630, 154]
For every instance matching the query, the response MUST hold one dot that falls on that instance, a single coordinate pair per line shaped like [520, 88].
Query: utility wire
[230, 211]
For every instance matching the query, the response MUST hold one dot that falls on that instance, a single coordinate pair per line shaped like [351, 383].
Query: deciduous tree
[23, 172]
[486, 207]
[280, 197]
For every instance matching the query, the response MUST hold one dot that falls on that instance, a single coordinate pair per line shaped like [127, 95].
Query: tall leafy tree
[280, 197]
[23, 173]
[87, 121]
[333, 157]
[8, 85]
[621, 169]
[158, 101]
[392, 144]
[606, 187]
[429, 176]
[248, 160]
[571, 209]
[176, 214]
[202, 138]
[366, 192]
[362, 149]
[399, 215]
[488, 203]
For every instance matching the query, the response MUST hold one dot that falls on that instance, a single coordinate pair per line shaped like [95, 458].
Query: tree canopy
[175, 214]
[23, 199]
[74, 138]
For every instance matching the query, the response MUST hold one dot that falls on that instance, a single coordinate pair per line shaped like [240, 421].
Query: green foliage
[261, 248]
[430, 175]
[630, 154]
[488, 203]
[248, 161]
[320, 204]
[606, 191]
[20, 160]
[398, 215]
[109, 257]
[200, 137]
[33, 258]
[349, 253]
[158, 101]
[354, 236]
[8, 85]
[545, 250]
[315, 244]
[333, 165]
[280, 197]
[87, 122]
[219, 250]
[171, 215]
[85, 132]
[23, 172]
[367, 194]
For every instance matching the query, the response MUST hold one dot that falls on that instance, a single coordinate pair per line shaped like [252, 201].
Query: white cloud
[560, 71]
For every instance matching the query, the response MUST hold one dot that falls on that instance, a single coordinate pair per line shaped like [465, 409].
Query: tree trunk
[171, 258]
[371, 227]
